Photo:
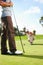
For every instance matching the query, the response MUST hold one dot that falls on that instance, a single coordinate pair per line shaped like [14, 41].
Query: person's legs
[3, 38]
[12, 45]
[9, 30]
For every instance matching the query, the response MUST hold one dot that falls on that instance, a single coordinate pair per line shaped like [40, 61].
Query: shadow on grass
[32, 56]
[28, 56]
[37, 44]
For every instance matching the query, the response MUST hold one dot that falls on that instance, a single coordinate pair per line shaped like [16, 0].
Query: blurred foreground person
[8, 30]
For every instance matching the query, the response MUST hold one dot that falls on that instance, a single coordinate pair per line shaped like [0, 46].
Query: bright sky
[27, 14]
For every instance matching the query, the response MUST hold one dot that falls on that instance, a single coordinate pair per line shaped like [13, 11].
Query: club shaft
[18, 33]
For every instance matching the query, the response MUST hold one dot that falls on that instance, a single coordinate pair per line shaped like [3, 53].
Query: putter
[18, 32]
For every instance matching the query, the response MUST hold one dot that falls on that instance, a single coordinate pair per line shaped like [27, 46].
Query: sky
[27, 14]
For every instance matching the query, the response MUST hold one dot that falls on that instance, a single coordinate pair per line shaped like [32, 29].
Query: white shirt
[6, 10]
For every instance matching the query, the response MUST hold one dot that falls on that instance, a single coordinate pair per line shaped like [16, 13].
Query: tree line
[21, 32]
[16, 31]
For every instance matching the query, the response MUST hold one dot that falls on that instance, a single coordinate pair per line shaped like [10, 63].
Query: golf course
[33, 53]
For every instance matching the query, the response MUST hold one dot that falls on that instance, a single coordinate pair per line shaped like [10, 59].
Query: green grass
[33, 53]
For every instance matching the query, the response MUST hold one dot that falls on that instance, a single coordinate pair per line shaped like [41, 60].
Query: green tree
[24, 29]
[41, 20]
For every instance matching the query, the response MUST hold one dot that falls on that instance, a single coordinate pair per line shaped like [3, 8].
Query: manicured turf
[33, 53]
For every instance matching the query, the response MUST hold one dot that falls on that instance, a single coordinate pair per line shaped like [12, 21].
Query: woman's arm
[6, 4]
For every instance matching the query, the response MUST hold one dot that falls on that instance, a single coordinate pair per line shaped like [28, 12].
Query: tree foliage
[41, 20]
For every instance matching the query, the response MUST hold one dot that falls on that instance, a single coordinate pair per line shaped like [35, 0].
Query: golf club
[18, 32]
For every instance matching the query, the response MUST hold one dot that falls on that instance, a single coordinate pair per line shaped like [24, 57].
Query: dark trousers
[8, 32]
